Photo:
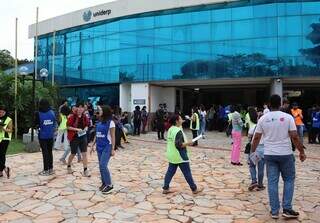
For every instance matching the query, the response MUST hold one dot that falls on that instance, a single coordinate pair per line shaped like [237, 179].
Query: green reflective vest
[173, 154]
[63, 124]
[3, 135]
[197, 122]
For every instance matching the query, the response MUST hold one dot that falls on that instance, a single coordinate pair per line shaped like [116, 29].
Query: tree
[6, 60]
[24, 98]
[313, 54]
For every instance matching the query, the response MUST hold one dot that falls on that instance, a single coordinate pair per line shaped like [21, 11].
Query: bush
[24, 98]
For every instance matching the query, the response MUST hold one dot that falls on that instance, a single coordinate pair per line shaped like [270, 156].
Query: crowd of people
[274, 132]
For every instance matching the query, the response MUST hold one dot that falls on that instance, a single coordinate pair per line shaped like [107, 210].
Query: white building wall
[125, 97]
[160, 95]
[140, 92]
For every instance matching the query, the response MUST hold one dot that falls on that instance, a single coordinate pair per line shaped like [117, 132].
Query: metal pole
[53, 55]
[35, 74]
[16, 82]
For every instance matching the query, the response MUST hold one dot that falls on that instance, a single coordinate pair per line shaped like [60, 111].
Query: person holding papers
[177, 155]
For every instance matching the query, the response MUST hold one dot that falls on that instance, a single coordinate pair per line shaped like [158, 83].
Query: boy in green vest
[5, 138]
[177, 155]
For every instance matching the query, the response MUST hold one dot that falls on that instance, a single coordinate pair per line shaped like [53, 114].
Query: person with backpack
[136, 121]
[6, 129]
[62, 129]
[194, 124]
[77, 134]
[177, 155]
[45, 120]
[105, 146]
[144, 117]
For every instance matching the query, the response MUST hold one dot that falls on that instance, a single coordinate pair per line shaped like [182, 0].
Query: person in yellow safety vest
[5, 138]
[178, 155]
[62, 129]
[194, 124]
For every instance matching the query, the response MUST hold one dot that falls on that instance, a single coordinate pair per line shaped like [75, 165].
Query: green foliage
[24, 98]
[16, 146]
[6, 60]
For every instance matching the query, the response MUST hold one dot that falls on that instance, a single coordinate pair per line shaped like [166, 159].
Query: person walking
[105, 146]
[177, 155]
[77, 134]
[62, 129]
[6, 129]
[45, 120]
[203, 121]
[160, 118]
[67, 148]
[254, 168]
[144, 117]
[237, 125]
[315, 128]
[278, 129]
[194, 124]
[298, 119]
[136, 121]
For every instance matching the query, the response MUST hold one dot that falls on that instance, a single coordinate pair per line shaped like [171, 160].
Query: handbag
[248, 148]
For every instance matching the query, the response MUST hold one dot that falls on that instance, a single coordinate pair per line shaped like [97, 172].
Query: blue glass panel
[265, 27]
[145, 55]
[242, 13]
[221, 31]
[269, 10]
[163, 21]
[285, 9]
[201, 17]
[242, 29]
[74, 48]
[221, 48]
[181, 34]
[241, 46]
[265, 46]
[221, 15]
[311, 8]
[201, 32]
[128, 56]
[162, 54]
[289, 26]
[128, 39]
[201, 51]
[162, 71]
[100, 60]
[145, 38]
[181, 19]
[87, 62]
[145, 23]
[181, 52]
[114, 58]
[99, 44]
[128, 25]
[87, 46]
[289, 46]
[112, 27]
[162, 36]
[113, 42]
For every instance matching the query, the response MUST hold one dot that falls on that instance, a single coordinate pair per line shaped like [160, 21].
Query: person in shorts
[78, 124]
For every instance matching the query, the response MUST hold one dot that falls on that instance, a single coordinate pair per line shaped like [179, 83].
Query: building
[184, 52]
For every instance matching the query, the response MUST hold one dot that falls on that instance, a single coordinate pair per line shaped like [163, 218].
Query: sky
[25, 11]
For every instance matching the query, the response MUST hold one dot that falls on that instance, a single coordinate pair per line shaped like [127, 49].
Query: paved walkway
[138, 174]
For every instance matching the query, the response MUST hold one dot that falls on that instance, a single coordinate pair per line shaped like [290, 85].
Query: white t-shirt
[266, 110]
[203, 114]
[275, 127]
[252, 131]
[112, 125]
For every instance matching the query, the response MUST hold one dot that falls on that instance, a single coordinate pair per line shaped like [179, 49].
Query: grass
[16, 146]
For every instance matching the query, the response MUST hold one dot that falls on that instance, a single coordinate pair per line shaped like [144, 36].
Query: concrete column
[125, 97]
[277, 87]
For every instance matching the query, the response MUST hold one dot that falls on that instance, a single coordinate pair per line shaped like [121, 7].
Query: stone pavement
[137, 173]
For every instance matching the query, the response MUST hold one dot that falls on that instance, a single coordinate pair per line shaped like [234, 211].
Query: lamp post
[43, 74]
[23, 71]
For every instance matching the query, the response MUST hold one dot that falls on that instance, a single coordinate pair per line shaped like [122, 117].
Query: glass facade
[261, 38]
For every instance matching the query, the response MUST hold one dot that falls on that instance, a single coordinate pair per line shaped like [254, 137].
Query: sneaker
[79, 160]
[261, 187]
[274, 216]
[44, 173]
[102, 187]
[86, 173]
[198, 190]
[290, 214]
[7, 171]
[51, 172]
[166, 191]
[63, 161]
[107, 190]
[69, 170]
[252, 186]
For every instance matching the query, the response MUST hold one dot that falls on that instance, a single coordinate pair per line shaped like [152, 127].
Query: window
[201, 32]
[289, 26]
[162, 36]
[242, 29]
[221, 31]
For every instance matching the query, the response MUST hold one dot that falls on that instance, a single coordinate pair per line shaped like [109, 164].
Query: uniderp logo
[87, 16]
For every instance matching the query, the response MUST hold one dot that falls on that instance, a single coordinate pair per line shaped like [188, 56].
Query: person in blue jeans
[278, 129]
[105, 146]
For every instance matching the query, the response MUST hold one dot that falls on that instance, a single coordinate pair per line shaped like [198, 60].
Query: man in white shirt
[265, 109]
[278, 129]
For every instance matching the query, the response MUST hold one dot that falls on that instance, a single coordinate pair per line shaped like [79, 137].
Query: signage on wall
[139, 101]
[87, 15]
